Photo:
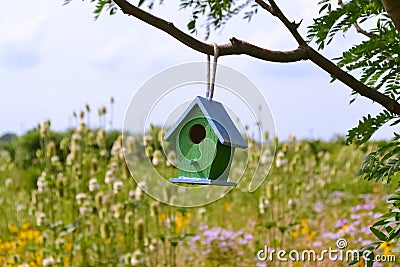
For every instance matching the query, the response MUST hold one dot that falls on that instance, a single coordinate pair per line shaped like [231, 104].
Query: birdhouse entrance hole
[197, 133]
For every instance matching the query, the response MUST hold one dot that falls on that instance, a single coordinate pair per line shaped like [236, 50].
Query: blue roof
[218, 119]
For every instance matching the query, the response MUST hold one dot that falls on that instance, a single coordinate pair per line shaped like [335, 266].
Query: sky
[55, 59]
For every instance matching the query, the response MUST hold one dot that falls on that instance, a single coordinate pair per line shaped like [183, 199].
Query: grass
[75, 204]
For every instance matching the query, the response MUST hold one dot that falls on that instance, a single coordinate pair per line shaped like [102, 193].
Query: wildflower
[147, 139]
[280, 159]
[80, 197]
[319, 206]
[109, 177]
[40, 218]
[171, 159]
[153, 245]
[130, 144]
[41, 183]
[292, 203]
[93, 185]
[386, 247]
[154, 209]
[131, 195]
[13, 229]
[94, 165]
[81, 127]
[202, 211]
[117, 146]
[137, 258]
[157, 158]
[76, 138]
[102, 111]
[104, 230]
[117, 187]
[34, 198]
[107, 198]
[49, 261]
[85, 208]
[59, 242]
[100, 137]
[304, 226]
[266, 157]
[139, 196]
[44, 128]
[9, 182]
[149, 151]
[127, 259]
[139, 230]
[117, 210]
[60, 182]
[341, 223]
[128, 216]
[270, 190]
[25, 226]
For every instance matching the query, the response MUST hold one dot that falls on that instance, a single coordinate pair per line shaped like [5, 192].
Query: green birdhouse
[205, 139]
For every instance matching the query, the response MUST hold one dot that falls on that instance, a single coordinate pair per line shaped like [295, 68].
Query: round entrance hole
[197, 133]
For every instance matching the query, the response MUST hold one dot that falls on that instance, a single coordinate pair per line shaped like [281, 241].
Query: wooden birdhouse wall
[206, 159]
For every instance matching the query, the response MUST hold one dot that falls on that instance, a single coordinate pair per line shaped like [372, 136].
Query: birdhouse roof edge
[227, 135]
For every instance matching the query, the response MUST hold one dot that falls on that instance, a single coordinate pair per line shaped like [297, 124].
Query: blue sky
[54, 59]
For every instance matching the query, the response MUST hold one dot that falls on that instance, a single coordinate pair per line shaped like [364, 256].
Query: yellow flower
[311, 235]
[304, 227]
[361, 263]
[25, 226]
[13, 229]
[387, 248]
[181, 220]
[295, 234]
[228, 206]
[21, 242]
[39, 259]
[68, 246]
[67, 261]
[162, 217]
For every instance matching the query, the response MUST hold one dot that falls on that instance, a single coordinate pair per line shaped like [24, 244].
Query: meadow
[68, 199]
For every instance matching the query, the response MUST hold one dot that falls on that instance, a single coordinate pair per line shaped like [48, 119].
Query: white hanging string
[208, 77]
[211, 78]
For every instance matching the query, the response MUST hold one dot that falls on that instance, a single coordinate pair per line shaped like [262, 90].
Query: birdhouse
[205, 139]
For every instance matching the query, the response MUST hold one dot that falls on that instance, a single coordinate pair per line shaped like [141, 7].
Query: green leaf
[191, 25]
[380, 235]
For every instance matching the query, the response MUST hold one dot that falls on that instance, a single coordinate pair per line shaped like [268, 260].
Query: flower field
[73, 202]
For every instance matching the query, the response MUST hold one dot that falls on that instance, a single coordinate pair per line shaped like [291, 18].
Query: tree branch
[237, 47]
[327, 65]
[273, 8]
[357, 26]
[392, 7]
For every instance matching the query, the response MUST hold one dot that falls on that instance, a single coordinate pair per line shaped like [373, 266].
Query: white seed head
[117, 187]
[93, 185]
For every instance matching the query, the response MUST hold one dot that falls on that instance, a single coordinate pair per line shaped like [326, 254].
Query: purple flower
[362, 207]
[340, 223]
[319, 206]
[205, 252]
[365, 243]
[355, 216]
[243, 242]
[331, 235]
